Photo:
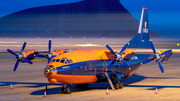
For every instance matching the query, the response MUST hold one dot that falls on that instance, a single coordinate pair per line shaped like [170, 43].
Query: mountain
[88, 18]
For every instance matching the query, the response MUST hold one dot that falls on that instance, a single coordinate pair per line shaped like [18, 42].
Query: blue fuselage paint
[98, 67]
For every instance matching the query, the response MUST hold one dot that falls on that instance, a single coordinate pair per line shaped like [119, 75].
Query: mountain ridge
[88, 18]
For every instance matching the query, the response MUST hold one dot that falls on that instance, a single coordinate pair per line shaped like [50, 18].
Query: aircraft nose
[49, 70]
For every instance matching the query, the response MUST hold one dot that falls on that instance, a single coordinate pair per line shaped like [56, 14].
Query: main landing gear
[118, 85]
[65, 90]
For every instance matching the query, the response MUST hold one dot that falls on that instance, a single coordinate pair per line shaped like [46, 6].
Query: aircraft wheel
[116, 85]
[68, 90]
[120, 85]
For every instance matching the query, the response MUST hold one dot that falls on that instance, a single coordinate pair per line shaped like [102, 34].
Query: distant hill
[88, 18]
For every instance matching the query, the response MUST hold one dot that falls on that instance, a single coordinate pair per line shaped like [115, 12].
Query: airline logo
[145, 30]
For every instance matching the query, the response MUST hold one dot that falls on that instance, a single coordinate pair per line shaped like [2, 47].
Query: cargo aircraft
[84, 66]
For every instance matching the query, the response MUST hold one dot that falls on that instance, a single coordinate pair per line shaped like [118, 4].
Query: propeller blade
[124, 48]
[110, 65]
[125, 64]
[16, 65]
[23, 47]
[40, 55]
[109, 48]
[49, 60]
[147, 61]
[166, 52]
[28, 61]
[49, 46]
[152, 46]
[10, 51]
[160, 66]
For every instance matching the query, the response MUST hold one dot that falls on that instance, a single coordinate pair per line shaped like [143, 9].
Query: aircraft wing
[150, 51]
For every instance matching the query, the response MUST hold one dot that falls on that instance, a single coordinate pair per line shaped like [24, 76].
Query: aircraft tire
[116, 85]
[120, 85]
[68, 90]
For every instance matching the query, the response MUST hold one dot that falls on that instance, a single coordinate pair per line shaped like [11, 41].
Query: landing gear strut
[65, 90]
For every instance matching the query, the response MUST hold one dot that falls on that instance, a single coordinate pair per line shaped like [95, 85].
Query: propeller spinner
[157, 57]
[49, 55]
[117, 56]
[20, 57]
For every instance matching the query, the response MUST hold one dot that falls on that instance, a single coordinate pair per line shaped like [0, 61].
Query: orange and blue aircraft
[84, 66]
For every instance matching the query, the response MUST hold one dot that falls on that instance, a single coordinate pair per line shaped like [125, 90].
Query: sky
[163, 14]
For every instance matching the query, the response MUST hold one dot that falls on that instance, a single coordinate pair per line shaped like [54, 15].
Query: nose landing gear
[65, 90]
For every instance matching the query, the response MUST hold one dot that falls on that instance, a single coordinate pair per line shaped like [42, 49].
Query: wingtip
[13, 71]
[128, 43]
[106, 69]
[105, 44]
[49, 39]
[162, 73]
[129, 68]
[33, 64]
[25, 41]
[150, 40]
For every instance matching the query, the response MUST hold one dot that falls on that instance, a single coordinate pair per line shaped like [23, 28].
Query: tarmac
[29, 81]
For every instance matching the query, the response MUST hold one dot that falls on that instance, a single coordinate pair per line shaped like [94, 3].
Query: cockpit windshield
[63, 60]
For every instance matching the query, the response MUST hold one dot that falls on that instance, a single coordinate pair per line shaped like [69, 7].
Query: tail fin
[141, 40]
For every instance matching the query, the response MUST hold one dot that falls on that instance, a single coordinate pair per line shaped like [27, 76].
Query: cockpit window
[51, 66]
[53, 60]
[54, 69]
[57, 60]
[70, 61]
[68, 50]
[62, 61]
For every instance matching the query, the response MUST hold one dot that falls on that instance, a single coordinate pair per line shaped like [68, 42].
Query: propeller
[20, 57]
[157, 57]
[117, 56]
[49, 55]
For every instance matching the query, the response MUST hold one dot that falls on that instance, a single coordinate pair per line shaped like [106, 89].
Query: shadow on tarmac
[100, 85]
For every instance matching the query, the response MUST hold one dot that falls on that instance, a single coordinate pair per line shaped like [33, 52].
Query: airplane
[84, 66]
